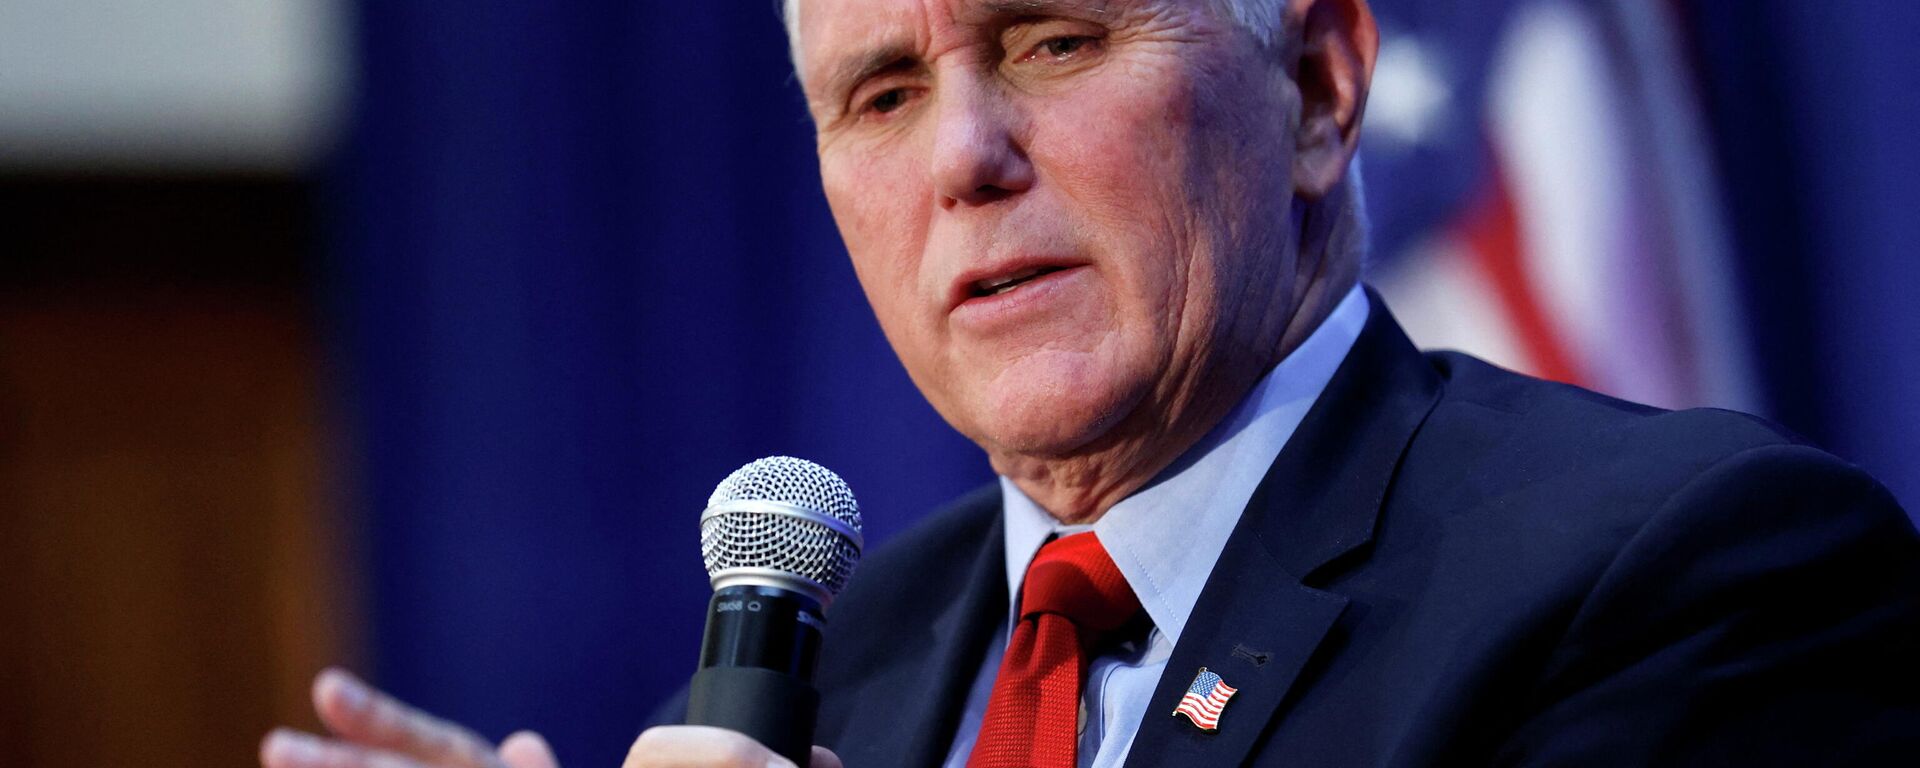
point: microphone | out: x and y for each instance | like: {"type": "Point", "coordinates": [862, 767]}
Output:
{"type": "Point", "coordinates": [780, 537]}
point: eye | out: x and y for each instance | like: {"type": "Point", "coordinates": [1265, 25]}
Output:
{"type": "Point", "coordinates": [1064, 46]}
{"type": "Point", "coordinates": [888, 101]}
{"type": "Point", "coordinates": [1053, 47]}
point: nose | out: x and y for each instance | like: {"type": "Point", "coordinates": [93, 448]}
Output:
{"type": "Point", "coordinates": [977, 156]}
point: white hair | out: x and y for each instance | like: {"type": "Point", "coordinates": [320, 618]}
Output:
{"type": "Point", "coordinates": [1262, 18]}
{"type": "Point", "coordinates": [790, 15]}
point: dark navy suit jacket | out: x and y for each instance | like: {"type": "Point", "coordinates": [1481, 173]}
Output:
{"type": "Point", "coordinates": [1453, 564]}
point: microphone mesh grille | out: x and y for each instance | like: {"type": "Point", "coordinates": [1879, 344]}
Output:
{"type": "Point", "coordinates": [779, 542]}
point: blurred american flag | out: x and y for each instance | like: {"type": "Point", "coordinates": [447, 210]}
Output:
{"type": "Point", "coordinates": [1544, 196]}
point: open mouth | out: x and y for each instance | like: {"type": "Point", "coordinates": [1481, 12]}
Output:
{"type": "Point", "coordinates": [1005, 283]}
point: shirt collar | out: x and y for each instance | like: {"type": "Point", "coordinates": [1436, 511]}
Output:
{"type": "Point", "coordinates": [1166, 536]}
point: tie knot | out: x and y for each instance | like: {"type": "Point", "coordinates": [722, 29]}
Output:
{"type": "Point", "coordinates": [1073, 577]}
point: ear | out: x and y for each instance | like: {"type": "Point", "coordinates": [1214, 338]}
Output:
{"type": "Point", "coordinates": [1334, 52]}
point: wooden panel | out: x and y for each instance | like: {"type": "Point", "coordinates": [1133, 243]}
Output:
{"type": "Point", "coordinates": [172, 571]}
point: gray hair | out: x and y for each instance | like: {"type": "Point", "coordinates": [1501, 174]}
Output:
{"type": "Point", "coordinates": [1262, 18]}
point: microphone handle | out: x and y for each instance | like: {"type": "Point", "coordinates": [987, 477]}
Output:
{"type": "Point", "coordinates": [756, 668]}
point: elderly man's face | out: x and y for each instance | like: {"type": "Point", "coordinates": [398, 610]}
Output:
{"type": "Point", "coordinates": [1062, 211]}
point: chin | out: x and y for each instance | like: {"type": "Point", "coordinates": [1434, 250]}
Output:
{"type": "Point", "coordinates": [1055, 415]}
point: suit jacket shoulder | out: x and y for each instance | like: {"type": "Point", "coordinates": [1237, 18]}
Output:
{"type": "Point", "coordinates": [1561, 577]}
{"type": "Point", "coordinates": [1556, 457]}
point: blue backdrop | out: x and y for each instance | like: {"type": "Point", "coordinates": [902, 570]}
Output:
{"type": "Point", "coordinates": [582, 270]}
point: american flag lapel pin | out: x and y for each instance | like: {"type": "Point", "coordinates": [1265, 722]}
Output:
{"type": "Point", "coordinates": [1205, 698]}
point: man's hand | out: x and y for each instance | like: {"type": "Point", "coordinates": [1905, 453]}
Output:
{"type": "Point", "coordinates": [373, 730]}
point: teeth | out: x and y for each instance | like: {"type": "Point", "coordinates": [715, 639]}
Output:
{"type": "Point", "coordinates": [1002, 282]}
{"type": "Point", "coordinates": [1000, 285]}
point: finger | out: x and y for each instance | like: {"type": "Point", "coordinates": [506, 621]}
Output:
{"type": "Point", "coordinates": [284, 748]}
{"type": "Point", "coordinates": [699, 746]}
{"type": "Point", "coordinates": [527, 750]}
{"type": "Point", "coordinates": [824, 758]}
{"type": "Point", "coordinates": [359, 713]}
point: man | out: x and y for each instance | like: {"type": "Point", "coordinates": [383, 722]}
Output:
{"type": "Point", "coordinates": [1117, 245]}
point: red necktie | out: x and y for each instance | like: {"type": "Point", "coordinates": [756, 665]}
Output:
{"type": "Point", "coordinates": [1073, 594]}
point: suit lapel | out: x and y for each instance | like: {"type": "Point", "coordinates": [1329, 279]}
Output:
{"type": "Point", "coordinates": [1253, 630]}
{"type": "Point", "coordinates": [913, 702]}
{"type": "Point", "coordinates": [1258, 621]}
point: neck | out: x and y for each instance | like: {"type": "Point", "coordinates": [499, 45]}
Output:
{"type": "Point", "coordinates": [1081, 486]}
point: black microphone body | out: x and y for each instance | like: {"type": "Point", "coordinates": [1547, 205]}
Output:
{"type": "Point", "coordinates": [756, 668]}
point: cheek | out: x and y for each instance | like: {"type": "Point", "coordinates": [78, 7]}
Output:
{"type": "Point", "coordinates": [1121, 151]}
{"type": "Point", "coordinates": [1164, 161]}
{"type": "Point", "coordinates": [1126, 171]}
{"type": "Point", "coordinates": [884, 238]}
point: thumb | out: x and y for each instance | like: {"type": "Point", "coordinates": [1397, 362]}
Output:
{"type": "Point", "coordinates": [527, 750]}
{"type": "Point", "coordinates": [822, 758]}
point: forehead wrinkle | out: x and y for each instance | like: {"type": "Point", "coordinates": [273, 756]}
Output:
{"type": "Point", "coordinates": [1043, 7]}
